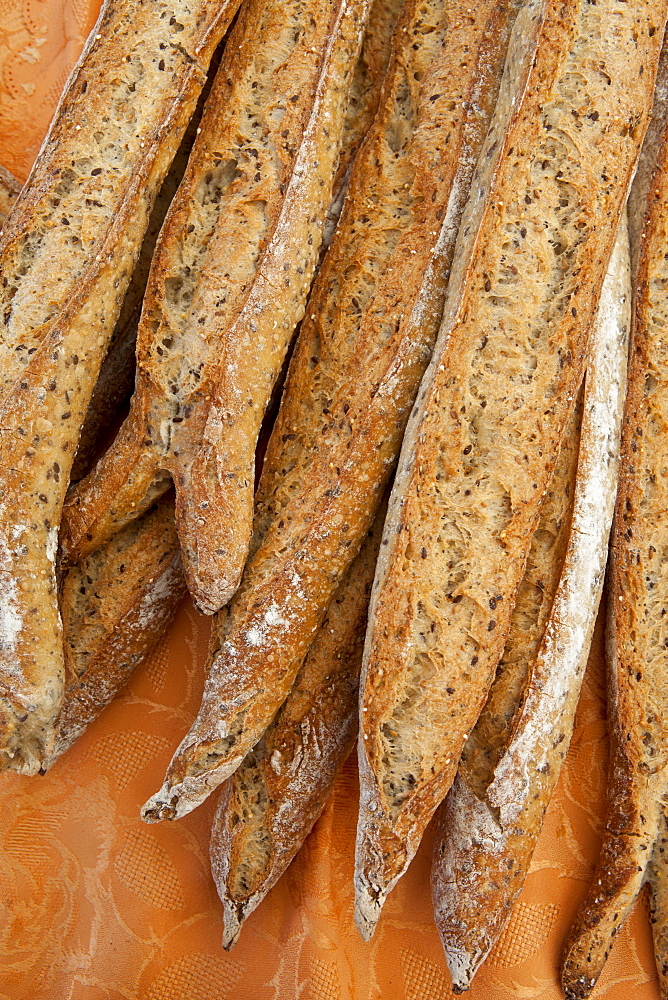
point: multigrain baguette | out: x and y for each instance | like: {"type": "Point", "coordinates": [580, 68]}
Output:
{"type": "Point", "coordinates": [285, 781]}
{"type": "Point", "coordinates": [490, 736]}
{"type": "Point", "coordinates": [362, 103]}
{"type": "Point", "coordinates": [66, 255]}
{"type": "Point", "coordinates": [115, 605]}
{"type": "Point", "coordinates": [364, 344]}
{"type": "Point", "coordinates": [228, 286]}
{"type": "Point", "coordinates": [491, 819]}
{"type": "Point", "coordinates": [272, 800]}
{"type": "Point", "coordinates": [482, 441]}
{"type": "Point", "coordinates": [634, 842]}
{"type": "Point", "coordinates": [115, 381]}
{"type": "Point", "coordinates": [9, 190]}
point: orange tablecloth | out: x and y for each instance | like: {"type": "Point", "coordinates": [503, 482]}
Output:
{"type": "Point", "coordinates": [96, 905]}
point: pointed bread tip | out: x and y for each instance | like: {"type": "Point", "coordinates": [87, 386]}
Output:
{"type": "Point", "coordinates": [576, 987]}
{"type": "Point", "coordinates": [462, 966]}
{"type": "Point", "coordinates": [179, 797]}
{"type": "Point", "coordinates": [157, 807]}
{"type": "Point", "coordinates": [577, 983]}
{"type": "Point", "coordinates": [233, 918]}
{"type": "Point", "coordinates": [368, 906]}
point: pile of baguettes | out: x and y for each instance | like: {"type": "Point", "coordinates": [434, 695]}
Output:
{"type": "Point", "coordinates": [433, 194]}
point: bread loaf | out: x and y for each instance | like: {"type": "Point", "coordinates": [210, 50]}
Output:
{"type": "Point", "coordinates": [66, 255]}
{"type": "Point", "coordinates": [481, 444]}
{"type": "Point", "coordinates": [228, 285]}
{"type": "Point", "coordinates": [119, 600]}
{"type": "Point", "coordinates": [533, 605]}
{"type": "Point", "coordinates": [272, 800]}
{"type": "Point", "coordinates": [115, 605]}
{"type": "Point", "coordinates": [115, 381]}
{"type": "Point", "coordinates": [285, 781]}
{"type": "Point", "coordinates": [9, 190]}
{"type": "Point", "coordinates": [634, 842]}
{"type": "Point", "coordinates": [362, 103]}
{"type": "Point", "coordinates": [364, 343]}
{"type": "Point", "coordinates": [492, 817]}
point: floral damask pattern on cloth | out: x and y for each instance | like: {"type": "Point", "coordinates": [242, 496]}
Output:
{"type": "Point", "coordinates": [39, 42]}
{"type": "Point", "coordinates": [98, 906]}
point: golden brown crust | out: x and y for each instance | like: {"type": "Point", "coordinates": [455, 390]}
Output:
{"type": "Point", "coordinates": [273, 799]}
{"type": "Point", "coordinates": [115, 605]}
{"type": "Point", "coordinates": [481, 445]}
{"type": "Point", "coordinates": [637, 608]}
{"type": "Point", "coordinates": [490, 736]}
{"type": "Point", "coordinates": [493, 814]}
{"type": "Point", "coordinates": [117, 373]}
{"type": "Point", "coordinates": [66, 255]}
{"type": "Point", "coordinates": [362, 103]}
{"type": "Point", "coordinates": [228, 285]}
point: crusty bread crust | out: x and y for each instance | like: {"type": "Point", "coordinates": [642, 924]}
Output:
{"type": "Point", "coordinates": [273, 799]}
{"type": "Point", "coordinates": [228, 285]}
{"type": "Point", "coordinates": [9, 190]}
{"type": "Point", "coordinates": [373, 312]}
{"type": "Point", "coordinates": [533, 604]}
{"type": "Point", "coordinates": [115, 381]}
{"type": "Point", "coordinates": [362, 103]}
{"type": "Point", "coordinates": [66, 255]}
{"type": "Point", "coordinates": [115, 605]}
{"type": "Point", "coordinates": [482, 442]}
{"type": "Point", "coordinates": [636, 652]}
{"type": "Point", "coordinates": [493, 815]}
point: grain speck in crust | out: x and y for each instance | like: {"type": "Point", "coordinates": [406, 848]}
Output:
{"type": "Point", "coordinates": [67, 251]}
{"type": "Point", "coordinates": [482, 441]}
{"type": "Point", "coordinates": [374, 309]}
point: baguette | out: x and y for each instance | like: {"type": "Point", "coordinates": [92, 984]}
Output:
{"type": "Point", "coordinates": [492, 817]}
{"type": "Point", "coordinates": [634, 841]}
{"type": "Point", "coordinates": [117, 373]}
{"type": "Point", "coordinates": [9, 190]}
{"type": "Point", "coordinates": [375, 308]}
{"type": "Point", "coordinates": [362, 104]}
{"type": "Point", "coordinates": [66, 255]}
{"type": "Point", "coordinates": [314, 731]}
{"type": "Point", "coordinates": [272, 800]}
{"type": "Point", "coordinates": [115, 605]}
{"type": "Point", "coordinates": [227, 288]}
{"type": "Point", "coordinates": [482, 442]}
